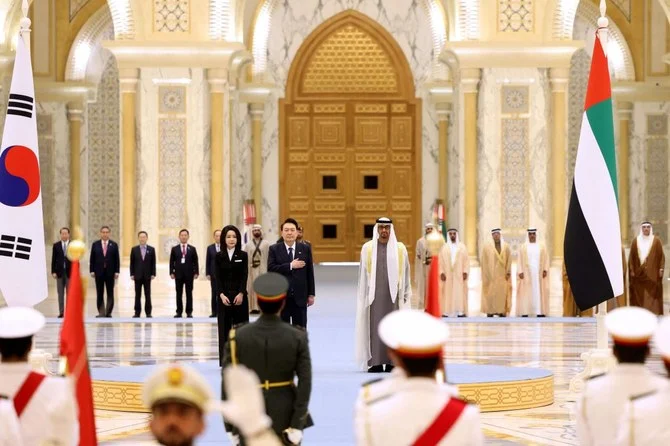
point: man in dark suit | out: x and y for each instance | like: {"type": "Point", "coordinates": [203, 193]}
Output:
{"type": "Point", "coordinates": [142, 272]}
{"type": "Point", "coordinates": [278, 353]}
{"type": "Point", "coordinates": [293, 260]}
{"type": "Point", "coordinates": [209, 269]}
{"type": "Point", "coordinates": [60, 267]}
{"type": "Point", "coordinates": [104, 265]}
{"type": "Point", "coordinates": [184, 269]}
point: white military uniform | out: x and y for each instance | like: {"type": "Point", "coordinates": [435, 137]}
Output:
{"type": "Point", "coordinates": [645, 418]}
{"type": "Point", "coordinates": [10, 431]}
{"type": "Point", "coordinates": [399, 409]}
{"type": "Point", "coordinates": [50, 417]}
{"type": "Point", "coordinates": [605, 396]}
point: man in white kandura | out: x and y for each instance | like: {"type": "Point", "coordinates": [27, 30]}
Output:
{"type": "Point", "coordinates": [605, 396]}
{"type": "Point", "coordinates": [645, 418]}
{"type": "Point", "coordinates": [422, 260]}
{"type": "Point", "coordinates": [419, 410]}
{"type": "Point", "coordinates": [257, 250]}
{"type": "Point", "coordinates": [384, 285]}
{"type": "Point", "coordinates": [532, 296]}
{"type": "Point", "coordinates": [454, 271]}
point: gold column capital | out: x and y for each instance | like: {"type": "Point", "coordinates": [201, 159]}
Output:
{"type": "Point", "coordinates": [256, 110]}
{"type": "Point", "coordinates": [624, 110]}
{"type": "Point", "coordinates": [217, 79]}
{"type": "Point", "coordinates": [558, 77]}
{"type": "Point", "coordinates": [128, 79]}
{"type": "Point", "coordinates": [470, 78]}
{"type": "Point", "coordinates": [75, 111]}
{"type": "Point", "coordinates": [444, 111]}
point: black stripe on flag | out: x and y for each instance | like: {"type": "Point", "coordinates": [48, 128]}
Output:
{"type": "Point", "coordinates": [8, 238]}
{"type": "Point", "coordinates": [19, 255]}
{"type": "Point", "coordinates": [20, 105]}
{"type": "Point", "coordinates": [25, 241]}
{"type": "Point", "coordinates": [20, 97]}
{"type": "Point", "coordinates": [5, 253]}
{"type": "Point", "coordinates": [587, 274]}
{"type": "Point", "coordinates": [6, 245]}
{"type": "Point", "coordinates": [17, 112]}
{"type": "Point", "coordinates": [23, 248]}
{"type": "Point", "coordinates": [17, 247]}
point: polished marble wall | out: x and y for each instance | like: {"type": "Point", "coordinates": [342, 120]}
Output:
{"type": "Point", "coordinates": [292, 22]}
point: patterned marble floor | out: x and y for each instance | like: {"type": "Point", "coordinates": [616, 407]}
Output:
{"type": "Point", "coordinates": [553, 344]}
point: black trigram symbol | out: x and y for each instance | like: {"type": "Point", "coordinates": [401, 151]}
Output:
{"type": "Point", "coordinates": [20, 105]}
{"type": "Point", "coordinates": [12, 246]}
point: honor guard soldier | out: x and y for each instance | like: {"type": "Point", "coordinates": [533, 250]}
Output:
{"type": "Point", "coordinates": [44, 405]}
{"type": "Point", "coordinates": [419, 410]}
{"type": "Point", "coordinates": [605, 396]}
{"type": "Point", "coordinates": [278, 353]}
{"type": "Point", "coordinates": [645, 420]}
{"type": "Point", "coordinates": [179, 397]}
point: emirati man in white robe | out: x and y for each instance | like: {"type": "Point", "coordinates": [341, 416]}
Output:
{"type": "Point", "coordinates": [257, 249]}
{"type": "Point", "coordinates": [384, 285]}
{"type": "Point", "coordinates": [454, 271]}
{"type": "Point", "coordinates": [645, 266]}
{"type": "Point", "coordinates": [421, 265]}
{"type": "Point", "coordinates": [532, 297]}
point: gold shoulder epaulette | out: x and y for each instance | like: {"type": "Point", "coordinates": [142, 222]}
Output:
{"type": "Point", "coordinates": [643, 395]}
{"type": "Point", "coordinates": [372, 381]}
{"type": "Point", "coordinates": [595, 376]}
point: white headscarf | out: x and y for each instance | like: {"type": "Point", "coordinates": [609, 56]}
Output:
{"type": "Point", "coordinates": [644, 242]}
{"type": "Point", "coordinates": [501, 235]}
{"type": "Point", "coordinates": [391, 261]}
{"type": "Point", "coordinates": [453, 246]}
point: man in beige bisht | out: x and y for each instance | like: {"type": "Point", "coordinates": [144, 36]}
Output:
{"type": "Point", "coordinates": [532, 297]}
{"type": "Point", "coordinates": [454, 270]}
{"type": "Point", "coordinates": [257, 249]}
{"type": "Point", "coordinates": [421, 265]}
{"type": "Point", "coordinates": [496, 263]}
{"type": "Point", "coordinates": [645, 266]}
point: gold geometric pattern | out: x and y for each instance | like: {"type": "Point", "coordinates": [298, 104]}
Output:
{"type": "Point", "coordinates": [328, 108]}
{"type": "Point", "coordinates": [171, 16]}
{"type": "Point", "coordinates": [301, 108]}
{"type": "Point", "coordinates": [350, 61]}
{"type": "Point", "coordinates": [399, 108]}
{"type": "Point", "coordinates": [515, 16]}
{"type": "Point", "coordinates": [371, 108]}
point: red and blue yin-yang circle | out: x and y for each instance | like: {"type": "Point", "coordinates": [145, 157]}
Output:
{"type": "Point", "coordinates": [19, 177]}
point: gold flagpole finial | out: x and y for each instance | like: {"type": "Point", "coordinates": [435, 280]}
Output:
{"type": "Point", "coordinates": [434, 240]}
{"type": "Point", "coordinates": [77, 247]}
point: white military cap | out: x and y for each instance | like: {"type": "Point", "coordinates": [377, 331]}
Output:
{"type": "Point", "coordinates": [413, 333]}
{"type": "Point", "coordinates": [20, 322]}
{"type": "Point", "coordinates": [176, 383]}
{"type": "Point", "coordinates": [631, 325]}
{"type": "Point", "coordinates": [662, 338]}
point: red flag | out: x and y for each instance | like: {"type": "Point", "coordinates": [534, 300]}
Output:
{"type": "Point", "coordinates": [433, 289]}
{"type": "Point", "coordinates": [73, 349]}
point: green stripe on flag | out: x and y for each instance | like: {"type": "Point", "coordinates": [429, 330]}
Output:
{"type": "Point", "coordinates": [602, 124]}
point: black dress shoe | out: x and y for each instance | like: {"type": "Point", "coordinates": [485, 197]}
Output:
{"type": "Point", "coordinates": [60, 316]}
{"type": "Point", "coordinates": [501, 315]}
{"type": "Point", "coordinates": [376, 369]}
{"type": "Point", "coordinates": [541, 315]}
{"type": "Point", "coordinates": [190, 316]}
{"type": "Point", "coordinates": [388, 368]}
{"type": "Point", "coordinates": [136, 316]}
{"type": "Point", "coordinates": [108, 315]}
{"type": "Point", "coordinates": [177, 316]}
{"type": "Point", "coordinates": [255, 312]}
{"type": "Point", "coordinates": [149, 316]}
{"type": "Point", "coordinates": [100, 315]}
{"type": "Point", "coordinates": [462, 315]}
{"type": "Point", "coordinates": [524, 315]}
{"type": "Point", "coordinates": [212, 315]}
{"type": "Point", "coordinates": [489, 314]}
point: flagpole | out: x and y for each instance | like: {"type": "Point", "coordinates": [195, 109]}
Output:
{"type": "Point", "coordinates": [600, 359]}
{"type": "Point", "coordinates": [24, 25]}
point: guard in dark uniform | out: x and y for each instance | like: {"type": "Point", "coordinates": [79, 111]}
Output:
{"type": "Point", "coordinates": [278, 353]}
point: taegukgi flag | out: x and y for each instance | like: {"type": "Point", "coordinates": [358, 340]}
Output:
{"type": "Point", "coordinates": [23, 270]}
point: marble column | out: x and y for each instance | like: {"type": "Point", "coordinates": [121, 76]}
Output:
{"type": "Point", "coordinates": [469, 85]}
{"type": "Point", "coordinates": [256, 111]}
{"type": "Point", "coordinates": [443, 113]}
{"type": "Point", "coordinates": [128, 79]}
{"type": "Point", "coordinates": [217, 91]}
{"type": "Point", "coordinates": [559, 83]}
{"type": "Point", "coordinates": [75, 115]}
{"type": "Point", "coordinates": [624, 115]}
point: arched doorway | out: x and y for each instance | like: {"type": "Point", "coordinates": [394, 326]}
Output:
{"type": "Point", "coordinates": [350, 138]}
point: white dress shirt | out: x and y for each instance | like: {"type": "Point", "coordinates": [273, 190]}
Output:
{"type": "Point", "coordinates": [230, 253]}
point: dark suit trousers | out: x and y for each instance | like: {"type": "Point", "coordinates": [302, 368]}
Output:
{"type": "Point", "coordinates": [228, 317]}
{"type": "Point", "coordinates": [293, 314]}
{"type": "Point", "coordinates": [61, 287]}
{"type": "Point", "coordinates": [180, 284]}
{"type": "Point", "coordinates": [102, 282]}
{"type": "Point", "coordinates": [146, 284]}
{"type": "Point", "coordinates": [212, 284]}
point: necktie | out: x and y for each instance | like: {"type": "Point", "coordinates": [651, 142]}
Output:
{"type": "Point", "coordinates": [64, 248]}
{"type": "Point", "coordinates": [144, 251]}
{"type": "Point", "coordinates": [104, 249]}
{"type": "Point", "coordinates": [218, 248]}
{"type": "Point", "coordinates": [183, 250]}
{"type": "Point", "coordinates": [290, 254]}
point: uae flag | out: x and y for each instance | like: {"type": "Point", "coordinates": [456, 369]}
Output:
{"type": "Point", "coordinates": [592, 245]}
{"type": "Point", "coordinates": [23, 270]}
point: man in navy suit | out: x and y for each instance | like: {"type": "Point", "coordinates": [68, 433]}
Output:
{"type": "Point", "coordinates": [210, 267]}
{"type": "Point", "coordinates": [184, 270]}
{"type": "Point", "coordinates": [104, 265]}
{"type": "Point", "coordinates": [293, 260]}
{"type": "Point", "coordinates": [60, 267]}
{"type": "Point", "coordinates": [142, 272]}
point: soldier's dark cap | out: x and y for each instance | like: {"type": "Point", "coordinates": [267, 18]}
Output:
{"type": "Point", "coordinates": [271, 287]}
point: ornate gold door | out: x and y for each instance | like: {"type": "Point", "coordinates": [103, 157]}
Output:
{"type": "Point", "coordinates": [349, 138]}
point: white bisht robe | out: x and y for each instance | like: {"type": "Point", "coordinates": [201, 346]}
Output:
{"type": "Point", "coordinates": [454, 262]}
{"type": "Point", "coordinates": [421, 271]}
{"type": "Point", "coordinates": [400, 287]}
{"type": "Point", "coordinates": [532, 296]}
{"type": "Point", "coordinates": [262, 268]}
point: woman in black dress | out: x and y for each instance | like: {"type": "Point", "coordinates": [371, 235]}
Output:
{"type": "Point", "coordinates": [231, 270]}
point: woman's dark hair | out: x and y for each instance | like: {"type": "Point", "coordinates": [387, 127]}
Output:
{"type": "Point", "coordinates": [233, 228]}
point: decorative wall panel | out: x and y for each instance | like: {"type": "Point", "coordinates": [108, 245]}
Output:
{"type": "Point", "coordinates": [172, 178]}
{"type": "Point", "coordinates": [172, 99]}
{"type": "Point", "coordinates": [103, 155]}
{"type": "Point", "coordinates": [515, 16]}
{"type": "Point", "coordinates": [171, 16]}
{"type": "Point", "coordinates": [45, 142]}
{"type": "Point", "coordinates": [579, 78]}
{"type": "Point", "coordinates": [515, 149]}
{"type": "Point", "coordinates": [657, 185]}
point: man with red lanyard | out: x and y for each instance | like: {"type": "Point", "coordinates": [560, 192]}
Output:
{"type": "Point", "coordinates": [429, 411]}
{"type": "Point", "coordinates": [44, 405]}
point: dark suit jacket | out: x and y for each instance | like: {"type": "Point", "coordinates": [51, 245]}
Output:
{"type": "Point", "coordinates": [142, 269]}
{"type": "Point", "coordinates": [209, 260]}
{"type": "Point", "coordinates": [301, 281]}
{"type": "Point", "coordinates": [98, 261]}
{"type": "Point", "coordinates": [59, 262]}
{"type": "Point", "coordinates": [189, 268]}
{"type": "Point", "coordinates": [231, 276]}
